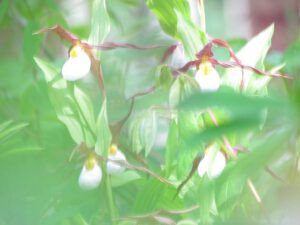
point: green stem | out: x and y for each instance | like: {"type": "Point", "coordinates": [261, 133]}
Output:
{"type": "Point", "coordinates": [112, 209]}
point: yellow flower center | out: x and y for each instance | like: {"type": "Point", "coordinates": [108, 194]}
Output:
{"type": "Point", "coordinates": [206, 68]}
{"type": "Point", "coordinates": [74, 51]}
{"type": "Point", "coordinates": [113, 150]}
{"type": "Point", "coordinates": [90, 162]}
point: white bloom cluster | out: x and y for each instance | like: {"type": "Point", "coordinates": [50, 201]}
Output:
{"type": "Point", "coordinates": [78, 65]}
{"type": "Point", "coordinates": [91, 173]}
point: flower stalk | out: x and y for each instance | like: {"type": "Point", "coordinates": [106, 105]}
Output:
{"type": "Point", "coordinates": [110, 200]}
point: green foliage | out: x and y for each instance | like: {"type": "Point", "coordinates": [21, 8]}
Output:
{"type": "Point", "coordinates": [6, 130]}
{"type": "Point", "coordinates": [103, 132]}
{"type": "Point", "coordinates": [72, 106]}
{"type": "Point", "coordinates": [171, 147]}
{"type": "Point", "coordinates": [143, 132]}
{"type": "Point", "coordinates": [100, 22]}
{"type": "Point", "coordinates": [290, 57]}
{"type": "Point", "coordinates": [165, 77]}
{"type": "Point", "coordinates": [48, 126]}
{"type": "Point", "coordinates": [252, 54]}
{"type": "Point", "coordinates": [174, 17]}
{"type": "Point", "coordinates": [166, 13]}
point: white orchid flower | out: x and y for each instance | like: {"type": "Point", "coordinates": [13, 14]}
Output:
{"type": "Point", "coordinates": [213, 162]}
{"type": "Point", "coordinates": [117, 155]}
{"type": "Point", "coordinates": [91, 174]}
{"type": "Point", "coordinates": [78, 65]}
{"type": "Point", "coordinates": [207, 77]}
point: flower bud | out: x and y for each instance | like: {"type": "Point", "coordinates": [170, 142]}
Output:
{"type": "Point", "coordinates": [78, 65]}
{"type": "Point", "coordinates": [91, 174]}
{"type": "Point", "coordinates": [207, 77]}
{"type": "Point", "coordinates": [213, 162]}
{"type": "Point", "coordinates": [115, 155]}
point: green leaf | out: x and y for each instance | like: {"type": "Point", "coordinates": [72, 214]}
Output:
{"type": "Point", "coordinates": [189, 35]}
{"type": "Point", "coordinates": [100, 24]}
{"type": "Point", "coordinates": [188, 124]}
{"type": "Point", "coordinates": [243, 113]}
{"type": "Point", "coordinates": [134, 131]}
{"type": "Point", "coordinates": [290, 56]}
{"type": "Point", "coordinates": [206, 198]}
{"type": "Point", "coordinates": [181, 88]}
{"type": "Point", "coordinates": [174, 18]}
{"type": "Point", "coordinates": [148, 131]}
{"type": "Point", "coordinates": [149, 196]}
{"type": "Point", "coordinates": [172, 147]}
{"type": "Point", "coordinates": [73, 126]}
{"type": "Point", "coordinates": [7, 131]}
{"type": "Point", "coordinates": [165, 12]}
{"type": "Point", "coordinates": [5, 124]}
{"type": "Point", "coordinates": [174, 94]}
{"type": "Point", "coordinates": [239, 105]}
{"type": "Point", "coordinates": [230, 184]}
{"type": "Point", "coordinates": [104, 136]}
{"type": "Point", "coordinates": [70, 109]}
{"type": "Point", "coordinates": [229, 191]}
{"type": "Point", "coordinates": [31, 43]}
{"type": "Point", "coordinates": [124, 178]}
{"type": "Point", "coordinates": [50, 72]}
{"type": "Point", "coordinates": [21, 150]}
{"type": "Point", "coordinates": [86, 107]}
{"type": "Point", "coordinates": [239, 125]}
{"type": "Point", "coordinates": [252, 54]}
{"type": "Point", "coordinates": [143, 130]}
{"type": "Point", "coordinates": [165, 77]}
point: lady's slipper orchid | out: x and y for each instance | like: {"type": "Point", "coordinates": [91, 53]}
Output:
{"type": "Point", "coordinates": [91, 174]}
{"type": "Point", "coordinates": [78, 65]}
{"type": "Point", "coordinates": [213, 163]}
{"type": "Point", "coordinates": [207, 77]}
{"type": "Point", "coordinates": [115, 155]}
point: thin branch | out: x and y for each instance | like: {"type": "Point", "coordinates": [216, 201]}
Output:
{"type": "Point", "coordinates": [274, 175]}
{"type": "Point", "coordinates": [148, 171]}
{"type": "Point", "coordinates": [98, 71]}
{"type": "Point", "coordinates": [116, 127]}
{"type": "Point", "coordinates": [170, 50]}
{"type": "Point", "coordinates": [113, 45]}
{"type": "Point", "coordinates": [145, 92]}
{"type": "Point", "coordinates": [138, 168]}
{"type": "Point", "coordinates": [163, 211]}
{"type": "Point", "coordinates": [231, 64]}
{"type": "Point", "coordinates": [73, 39]}
{"type": "Point", "coordinates": [196, 162]}
{"type": "Point", "coordinates": [61, 32]}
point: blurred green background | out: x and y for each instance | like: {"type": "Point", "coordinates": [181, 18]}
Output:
{"type": "Point", "coordinates": [38, 182]}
